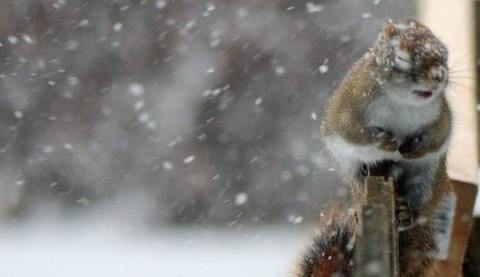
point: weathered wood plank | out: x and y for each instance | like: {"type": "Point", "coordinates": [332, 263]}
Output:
{"type": "Point", "coordinates": [377, 250]}
{"type": "Point", "coordinates": [461, 229]}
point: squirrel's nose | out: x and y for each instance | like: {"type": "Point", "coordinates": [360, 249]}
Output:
{"type": "Point", "coordinates": [438, 74]}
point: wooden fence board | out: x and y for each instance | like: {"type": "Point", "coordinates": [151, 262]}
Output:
{"type": "Point", "coordinates": [377, 250]}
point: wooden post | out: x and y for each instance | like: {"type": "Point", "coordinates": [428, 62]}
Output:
{"type": "Point", "coordinates": [377, 250]}
{"type": "Point", "coordinates": [454, 22]}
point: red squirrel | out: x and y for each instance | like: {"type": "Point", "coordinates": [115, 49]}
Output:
{"type": "Point", "coordinates": [391, 106]}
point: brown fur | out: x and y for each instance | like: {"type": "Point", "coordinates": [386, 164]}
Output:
{"type": "Point", "coordinates": [331, 253]}
{"type": "Point", "coordinates": [417, 244]}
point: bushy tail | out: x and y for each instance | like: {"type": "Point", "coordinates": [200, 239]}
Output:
{"type": "Point", "coordinates": [333, 246]}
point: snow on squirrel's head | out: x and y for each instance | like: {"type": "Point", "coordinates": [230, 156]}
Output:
{"type": "Point", "coordinates": [411, 61]}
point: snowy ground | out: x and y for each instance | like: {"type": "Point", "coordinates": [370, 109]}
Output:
{"type": "Point", "coordinates": [78, 251]}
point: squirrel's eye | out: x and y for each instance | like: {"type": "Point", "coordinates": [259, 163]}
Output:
{"type": "Point", "coordinates": [402, 63]}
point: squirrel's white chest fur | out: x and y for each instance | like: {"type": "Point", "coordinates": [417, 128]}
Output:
{"type": "Point", "coordinates": [350, 156]}
{"type": "Point", "coordinates": [401, 120]}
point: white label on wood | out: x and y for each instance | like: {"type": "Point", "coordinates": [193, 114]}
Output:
{"type": "Point", "coordinates": [445, 218]}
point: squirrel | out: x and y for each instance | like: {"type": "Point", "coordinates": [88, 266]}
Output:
{"type": "Point", "coordinates": [391, 106]}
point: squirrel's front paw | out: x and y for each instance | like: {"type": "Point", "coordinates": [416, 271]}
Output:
{"type": "Point", "coordinates": [411, 149]}
{"type": "Point", "coordinates": [385, 138]}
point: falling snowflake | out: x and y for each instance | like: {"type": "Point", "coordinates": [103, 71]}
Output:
{"type": "Point", "coordinates": [242, 13]}
{"type": "Point", "coordinates": [72, 81]}
{"type": "Point", "coordinates": [215, 42]}
{"type": "Point", "coordinates": [144, 117]}
{"type": "Point", "coordinates": [313, 8]}
{"type": "Point", "coordinates": [47, 149]}
{"type": "Point", "coordinates": [28, 39]}
{"type": "Point", "coordinates": [18, 114]}
{"type": "Point", "coordinates": [366, 15]}
{"type": "Point", "coordinates": [167, 165]}
{"type": "Point", "coordinates": [295, 219]}
{"type": "Point", "coordinates": [58, 4]}
{"type": "Point", "coordinates": [152, 125]}
{"type": "Point", "coordinates": [241, 198]}
{"type": "Point", "coordinates": [139, 105]}
{"type": "Point", "coordinates": [160, 4]}
{"type": "Point", "coordinates": [83, 23]}
{"type": "Point", "coordinates": [280, 70]}
{"type": "Point", "coordinates": [72, 45]}
{"type": "Point", "coordinates": [136, 89]}
{"type": "Point", "coordinates": [12, 39]}
{"type": "Point", "coordinates": [190, 24]}
{"type": "Point", "coordinates": [83, 201]}
{"type": "Point", "coordinates": [210, 7]}
{"type": "Point", "coordinates": [323, 68]}
{"type": "Point", "coordinates": [258, 101]}
{"type": "Point", "coordinates": [117, 27]}
{"type": "Point", "coordinates": [214, 92]}
{"type": "Point", "coordinates": [189, 159]}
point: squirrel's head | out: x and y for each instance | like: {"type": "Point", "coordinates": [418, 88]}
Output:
{"type": "Point", "coordinates": [411, 61]}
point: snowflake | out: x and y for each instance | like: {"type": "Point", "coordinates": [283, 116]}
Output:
{"type": "Point", "coordinates": [136, 89]}
{"type": "Point", "coordinates": [12, 39]}
{"type": "Point", "coordinates": [167, 165]}
{"type": "Point", "coordinates": [313, 8]}
{"type": "Point", "coordinates": [280, 70]}
{"type": "Point", "coordinates": [18, 114]}
{"type": "Point", "coordinates": [241, 198]}
{"type": "Point", "coordinates": [189, 159]}
{"type": "Point", "coordinates": [323, 68]}
{"type": "Point", "coordinates": [28, 39]}
{"type": "Point", "coordinates": [117, 27]}
{"type": "Point", "coordinates": [160, 4]}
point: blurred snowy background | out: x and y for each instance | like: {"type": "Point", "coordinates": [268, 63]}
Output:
{"type": "Point", "coordinates": [168, 137]}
